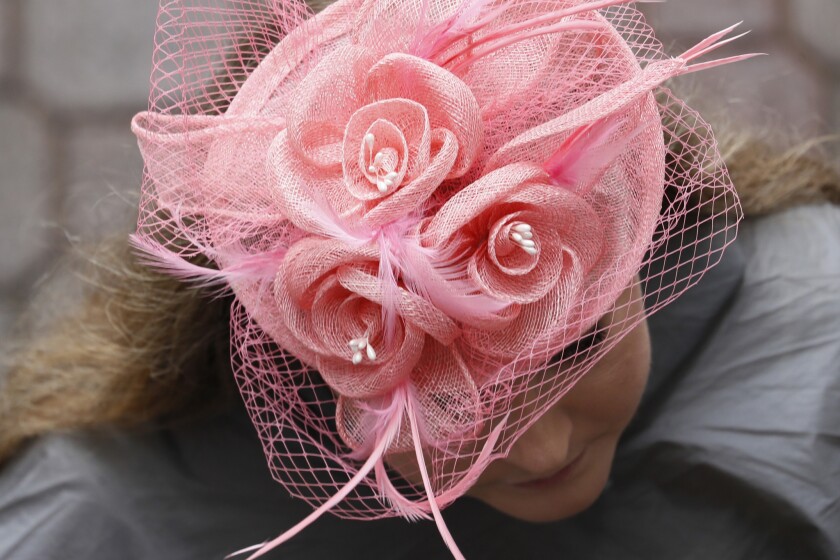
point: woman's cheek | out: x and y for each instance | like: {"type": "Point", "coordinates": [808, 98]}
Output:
{"type": "Point", "coordinates": [606, 398]}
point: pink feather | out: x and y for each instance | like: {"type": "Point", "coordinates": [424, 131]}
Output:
{"type": "Point", "coordinates": [262, 266]}
{"type": "Point", "coordinates": [411, 407]}
{"type": "Point", "coordinates": [474, 15]}
{"type": "Point", "coordinates": [587, 153]}
{"type": "Point", "coordinates": [377, 412]}
{"type": "Point", "coordinates": [389, 242]}
{"type": "Point", "coordinates": [438, 276]}
{"type": "Point", "coordinates": [331, 225]}
{"type": "Point", "coordinates": [412, 511]}
{"type": "Point", "coordinates": [712, 43]}
{"type": "Point", "coordinates": [376, 422]}
{"type": "Point", "coordinates": [441, 278]}
{"type": "Point", "coordinates": [431, 42]}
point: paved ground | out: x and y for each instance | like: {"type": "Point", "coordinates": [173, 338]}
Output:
{"type": "Point", "coordinates": [72, 72]}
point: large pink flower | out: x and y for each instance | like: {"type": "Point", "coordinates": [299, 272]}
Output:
{"type": "Point", "coordinates": [330, 300]}
{"type": "Point", "coordinates": [373, 138]}
{"type": "Point", "coordinates": [330, 296]}
{"type": "Point", "coordinates": [531, 242]}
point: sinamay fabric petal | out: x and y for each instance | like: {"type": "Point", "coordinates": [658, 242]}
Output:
{"type": "Point", "coordinates": [417, 204]}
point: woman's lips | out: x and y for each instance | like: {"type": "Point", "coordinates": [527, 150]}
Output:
{"type": "Point", "coordinates": [552, 479]}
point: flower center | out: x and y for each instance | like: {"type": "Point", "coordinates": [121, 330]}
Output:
{"type": "Point", "coordinates": [359, 344]}
{"type": "Point", "coordinates": [382, 165]}
{"type": "Point", "coordinates": [522, 234]}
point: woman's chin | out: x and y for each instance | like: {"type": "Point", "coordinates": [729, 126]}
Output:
{"type": "Point", "coordinates": [541, 509]}
{"type": "Point", "coordinates": [548, 500]}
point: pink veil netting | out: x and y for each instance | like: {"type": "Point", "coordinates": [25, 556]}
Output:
{"type": "Point", "coordinates": [418, 206]}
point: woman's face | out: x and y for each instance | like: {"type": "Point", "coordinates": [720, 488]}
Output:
{"type": "Point", "coordinates": [560, 465]}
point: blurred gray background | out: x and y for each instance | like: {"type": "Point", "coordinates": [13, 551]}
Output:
{"type": "Point", "coordinates": [73, 72]}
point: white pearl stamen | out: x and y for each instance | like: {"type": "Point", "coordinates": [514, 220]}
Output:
{"type": "Point", "coordinates": [522, 235]}
{"type": "Point", "coordinates": [383, 178]}
{"type": "Point", "coordinates": [369, 139]}
{"type": "Point", "coordinates": [359, 344]}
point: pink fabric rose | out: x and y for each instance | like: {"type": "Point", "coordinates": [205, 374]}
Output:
{"type": "Point", "coordinates": [379, 149]}
{"type": "Point", "coordinates": [532, 243]}
{"type": "Point", "coordinates": [330, 296]}
{"type": "Point", "coordinates": [330, 299]}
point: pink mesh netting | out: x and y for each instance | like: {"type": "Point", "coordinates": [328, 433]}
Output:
{"type": "Point", "coordinates": [420, 207]}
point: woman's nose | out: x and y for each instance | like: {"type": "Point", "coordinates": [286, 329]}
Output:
{"type": "Point", "coordinates": [544, 447]}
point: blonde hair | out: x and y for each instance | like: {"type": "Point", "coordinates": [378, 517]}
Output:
{"type": "Point", "coordinates": [112, 342]}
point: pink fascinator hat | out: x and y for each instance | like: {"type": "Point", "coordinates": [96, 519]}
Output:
{"type": "Point", "coordinates": [420, 206]}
